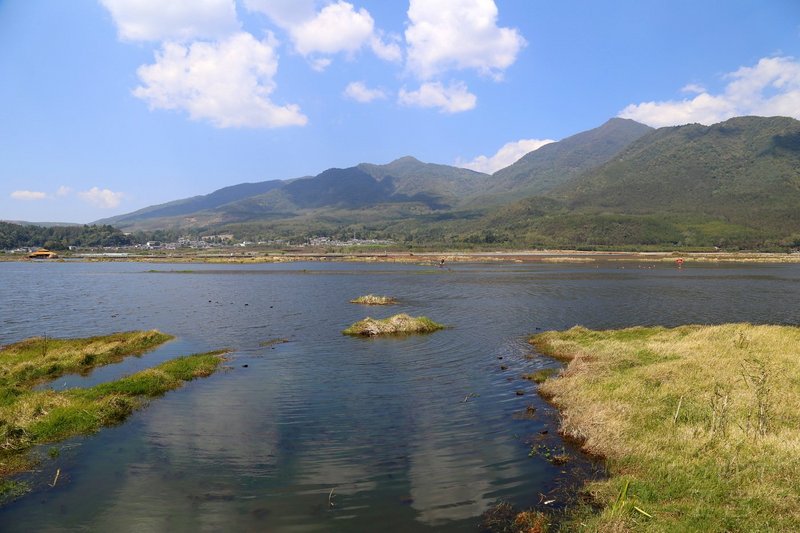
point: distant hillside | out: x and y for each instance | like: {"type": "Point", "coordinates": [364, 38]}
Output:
{"type": "Point", "coordinates": [553, 164]}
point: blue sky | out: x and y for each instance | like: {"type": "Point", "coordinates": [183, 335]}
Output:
{"type": "Point", "coordinates": [107, 106]}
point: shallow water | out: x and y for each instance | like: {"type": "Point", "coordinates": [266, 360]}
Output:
{"type": "Point", "coordinates": [382, 422]}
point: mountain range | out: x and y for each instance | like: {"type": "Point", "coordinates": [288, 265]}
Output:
{"type": "Point", "coordinates": [732, 184]}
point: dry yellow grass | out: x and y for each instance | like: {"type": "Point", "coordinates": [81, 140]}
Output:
{"type": "Point", "coordinates": [400, 323]}
{"type": "Point", "coordinates": [701, 422]}
{"type": "Point", "coordinates": [372, 299]}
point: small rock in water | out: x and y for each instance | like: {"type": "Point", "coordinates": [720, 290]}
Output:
{"type": "Point", "coordinates": [503, 367]}
{"type": "Point", "coordinates": [244, 366]}
{"type": "Point", "coordinates": [520, 393]}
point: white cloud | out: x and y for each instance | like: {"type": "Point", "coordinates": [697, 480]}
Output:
{"type": "Point", "coordinates": [452, 99]}
{"type": "Point", "coordinates": [693, 88]}
{"type": "Point", "coordinates": [157, 20]}
{"type": "Point", "coordinates": [63, 191]}
{"type": "Point", "coordinates": [388, 51]}
{"type": "Point", "coordinates": [104, 198]}
{"type": "Point", "coordinates": [505, 156]}
{"type": "Point", "coordinates": [361, 93]}
{"type": "Point", "coordinates": [771, 87]}
{"type": "Point", "coordinates": [227, 82]}
{"type": "Point", "coordinates": [28, 195]}
{"type": "Point", "coordinates": [337, 28]}
{"type": "Point", "coordinates": [458, 34]}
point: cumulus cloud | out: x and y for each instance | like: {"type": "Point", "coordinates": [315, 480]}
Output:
{"type": "Point", "coordinates": [227, 82]}
{"type": "Point", "coordinates": [458, 34]}
{"type": "Point", "coordinates": [28, 195]}
{"type": "Point", "coordinates": [104, 198]}
{"type": "Point", "coordinates": [693, 88]}
{"type": "Point", "coordinates": [505, 156]}
{"type": "Point", "coordinates": [63, 191]}
{"type": "Point", "coordinates": [337, 28]}
{"type": "Point", "coordinates": [156, 20]}
{"type": "Point", "coordinates": [771, 87]}
{"type": "Point", "coordinates": [454, 98]}
{"type": "Point", "coordinates": [361, 93]}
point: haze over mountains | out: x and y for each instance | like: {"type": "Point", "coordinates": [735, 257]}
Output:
{"type": "Point", "coordinates": [736, 183]}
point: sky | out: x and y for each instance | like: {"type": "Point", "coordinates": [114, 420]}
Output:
{"type": "Point", "coordinates": [108, 106]}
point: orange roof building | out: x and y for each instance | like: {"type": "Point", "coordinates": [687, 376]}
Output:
{"type": "Point", "coordinates": [43, 253]}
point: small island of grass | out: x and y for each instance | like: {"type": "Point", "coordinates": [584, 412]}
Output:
{"type": "Point", "coordinates": [372, 299]}
{"type": "Point", "coordinates": [31, 417]}
{"type": "Point", "coordinates": [397, 324]}
{"type": "Point", "coordinates": [699, 425]}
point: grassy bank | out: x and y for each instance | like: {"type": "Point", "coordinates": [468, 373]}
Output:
{"type": "Point", "coordinates": [397, 324]}
{"type": "Point", "coordinates": [32, 417]}
{"type": "Point", "coordinates": [699, 425]}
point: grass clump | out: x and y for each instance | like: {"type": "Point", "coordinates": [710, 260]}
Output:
{"type": "Point", "coordinates": [699, 425]}
{"type": "Point", "coordinates": [372, 299]}
{"type": "Point", "coordinates": [31, 417]}
{"type": "Point", "coordinates": [401, 323]}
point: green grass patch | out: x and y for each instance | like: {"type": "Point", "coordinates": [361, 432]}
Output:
{"type": "Point", "coordinates": [699, 425]}
{"type": "Point", "coordinates": [39, 359]}
{"type": "Point", "coordinates": [397, 324]}
{"type": "Point", "coordinates": [29, 417]}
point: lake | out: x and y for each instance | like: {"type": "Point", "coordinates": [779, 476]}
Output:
{"type": "Point", "coordinates": [331, 432]}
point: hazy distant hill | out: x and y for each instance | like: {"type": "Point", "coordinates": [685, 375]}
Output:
{"type": "Point", "coordinates": [194, 204]}
{"type": "Point", "coordinates": [404, 181]}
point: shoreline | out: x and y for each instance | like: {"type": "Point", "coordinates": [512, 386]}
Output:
{"type": "Point", "coordinates": [432, 258]}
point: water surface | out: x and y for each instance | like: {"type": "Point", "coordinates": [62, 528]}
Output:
{"type": "Point", "coordinates": [381, 422]}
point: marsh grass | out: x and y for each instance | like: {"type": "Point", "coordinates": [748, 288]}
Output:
{"type": "Point", "coordinates": [397, 324]}
{"type": "Point", "coordinates": [699, 425]}
{"type": "Point", "coordinates": [372, 299]}
{"type": "Point", "coordinates": [32, 417]}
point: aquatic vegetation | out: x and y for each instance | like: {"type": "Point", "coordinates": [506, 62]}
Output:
{"type": "Point", "coordinates": [31, 417]}
{"type": "Point", "coordinates": [503, 518]}
{"type": "Point", "coordinates": [699, 425]}
{"type": "Point", "coordinates": [372, 299]}
{"type": "Point", "coordinates": [11, 490]}
{"type": "Point", "coordinates": [401, 323]}
{"type": "Point", "coordinates": [272, 342]}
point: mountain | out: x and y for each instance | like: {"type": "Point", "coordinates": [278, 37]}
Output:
{"type": "Point", "coordinates": [406, 181]}
{"type": "Point", "coordinates": [733, 184]}
{"type": "Point", "coordinates": [736, 183]}
{"type": "Point", "coordinates": [553, 164]}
